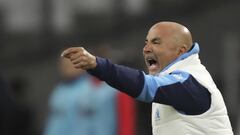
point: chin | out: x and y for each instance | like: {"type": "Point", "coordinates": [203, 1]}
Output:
{"type": "Point", "coordinates": [152, 73]}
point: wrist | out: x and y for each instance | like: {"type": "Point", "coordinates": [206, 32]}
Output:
{"type": "Point", "coordinates": [94, 62]}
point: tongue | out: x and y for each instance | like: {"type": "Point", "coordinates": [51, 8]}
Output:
{"type": "Point", "coordinates": [153, 66]}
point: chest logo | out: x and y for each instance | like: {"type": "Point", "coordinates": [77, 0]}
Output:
{"type": "Point", "coordinates": [178, 77]}
{"type": "Point", "coordinates": [157, 115]}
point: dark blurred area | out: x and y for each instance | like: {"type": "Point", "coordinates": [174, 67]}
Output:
{"type": "Point", "coordinates": [34, 32]}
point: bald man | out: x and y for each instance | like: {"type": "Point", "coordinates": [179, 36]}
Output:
{"type": "Point", "coordinates": [185, 100]}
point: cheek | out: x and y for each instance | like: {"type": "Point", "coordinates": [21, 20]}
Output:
{"type": "Point", "coordinates": [162, 51]}
{"type": "Point", "coordinates": [162, 55]}
{"type": "Point", "coordinates": [166, 54]}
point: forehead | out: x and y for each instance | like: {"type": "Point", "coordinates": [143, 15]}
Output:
{"type": "Point", "coordinates": [158, 32]}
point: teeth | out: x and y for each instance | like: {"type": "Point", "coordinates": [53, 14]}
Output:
{"type": "Point", "coordinates": [151, 62]}
{"type": "Point", "coordinates": [148, 64]}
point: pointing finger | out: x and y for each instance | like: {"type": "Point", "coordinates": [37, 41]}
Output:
{"type": "Point", "coordinates": [70, 51]}
{"type": "Point", "coordinates": [75, 56]}
{"type": "Point", "coordinates": [78, 60]}
{"type": "Point", "coordinates": [80, 64]}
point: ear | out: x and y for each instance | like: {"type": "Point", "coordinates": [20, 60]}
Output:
{"type": "Point", "coordinates": [182, 50]}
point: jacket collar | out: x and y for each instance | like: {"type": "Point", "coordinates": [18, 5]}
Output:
{"type": "Point", "coordinates": [195, 50]}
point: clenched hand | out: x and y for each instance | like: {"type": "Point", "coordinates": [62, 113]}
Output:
{"type": "Point", "coordinates": [80, 58]}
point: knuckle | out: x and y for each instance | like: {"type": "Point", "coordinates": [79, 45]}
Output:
{"type": "Point", "coordinates": [84, 58]}
{"type": "Point", "coordinates": [81, 48]}
{"type": "Point", "coordinates": [77, 65]}
{"type": "Point", "coordinates": [82, 63]}
{"type": "Point", "coordinates": [75, 62]}
{"type": "Point", "coordinates": [71, 57]}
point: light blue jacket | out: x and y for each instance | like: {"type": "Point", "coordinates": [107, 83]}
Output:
{"type": "Point", "coordinates": [82, 108]}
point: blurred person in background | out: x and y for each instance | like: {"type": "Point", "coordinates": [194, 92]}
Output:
{"type": "Point", "coordinates": [23, 114]}
{"type": "Point", "coordinates": [15, 116]}
{"type": "Point", "coordinates": [184, 96]}
{"type": "Point", "coordinates": [6, 108]}
{"type": "Point", "coordinates": [83, 105]}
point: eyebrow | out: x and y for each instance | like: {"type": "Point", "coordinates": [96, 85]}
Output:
{"type": "Point", "coordinates": [154, 39]}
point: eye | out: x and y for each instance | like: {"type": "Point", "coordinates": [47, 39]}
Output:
{"type": "Point", "coordinates": [146, 41]}
{"type": "Point", "coordinates": [156, 42]}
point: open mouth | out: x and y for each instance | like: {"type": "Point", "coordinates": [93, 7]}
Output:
{"type": "Point", "coordinates": [151, 62]}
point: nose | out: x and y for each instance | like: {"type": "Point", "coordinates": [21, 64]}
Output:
{"type": "Point", "coordinates": [147, 48]}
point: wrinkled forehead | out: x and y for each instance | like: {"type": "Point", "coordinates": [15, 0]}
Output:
{"type": "Point", "coordinates": [159, 32]}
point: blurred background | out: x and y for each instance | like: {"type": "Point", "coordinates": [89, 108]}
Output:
{"type": "Point", "coordinates": [34, 32]}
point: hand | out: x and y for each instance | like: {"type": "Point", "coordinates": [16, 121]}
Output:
{"type": "Point", "coordinates": [80, 58]}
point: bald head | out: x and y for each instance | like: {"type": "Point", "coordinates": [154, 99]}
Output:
{"type": "Point", "coordinates": [178, 33]}
{"type": "Point", "coordinates": [165, 42]}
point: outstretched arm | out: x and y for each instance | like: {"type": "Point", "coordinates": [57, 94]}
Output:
{"type": "Point", "coordinates": [126, 79]}
{"type": "Point", "coordinates": [178, 89]}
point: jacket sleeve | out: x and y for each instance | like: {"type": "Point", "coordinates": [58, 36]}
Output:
{"type": "Point", "coordinates": [127, 80]}
{"type": "Point", "coordinates": [178, 89]}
